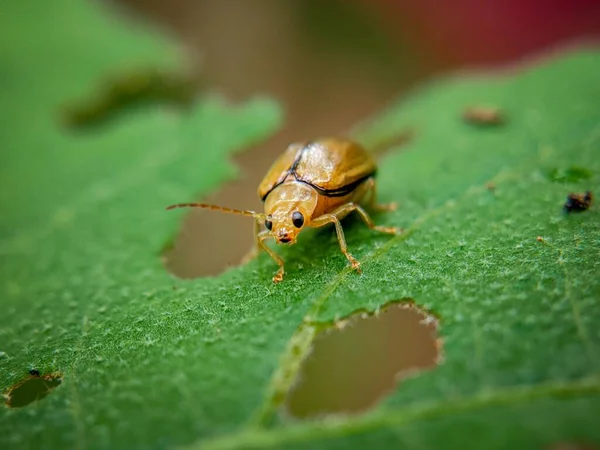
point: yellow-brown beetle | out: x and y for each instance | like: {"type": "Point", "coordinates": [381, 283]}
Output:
{"type": "Point", "coordinates": [311, 185]}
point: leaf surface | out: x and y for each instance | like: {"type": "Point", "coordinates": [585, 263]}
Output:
{"type": "Point", "coordinates": [149, 361]}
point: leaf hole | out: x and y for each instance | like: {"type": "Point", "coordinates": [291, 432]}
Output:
{"type": "Point", "coordinates": [567, 445]}
{"type": "Point", "coordinates": [128, 91]}
{"type": "Point", "coordinates": [209, 242]}
{"type": "Point", "coordinates": [32, 389]}
{"type": "Point", "coordinates": [355, 362]}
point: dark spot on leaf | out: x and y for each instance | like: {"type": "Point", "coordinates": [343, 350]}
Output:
{"type": "Point", "coordinates": [34, 373]}
{"type": "Point", "coordinates": [356, 361]}
{"type": "Point", "coordinates": [142, 88]}
{"type": "Point", "coordinates": [32, 389]}
{"type": "Point", "coordinates": [577, 202]}
{"type": "Point", "coordinates": [483, 116]}
{"type": "Point", "coordinates": [571, 174]}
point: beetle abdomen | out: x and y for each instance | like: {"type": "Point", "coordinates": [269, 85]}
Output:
{"type": "Point", "coordinates": [334, 167]}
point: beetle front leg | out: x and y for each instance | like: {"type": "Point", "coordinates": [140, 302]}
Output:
{"type": "Point", "coordinates": [331, 218]}
{"type": "Point", "coordinates": [261, 237]}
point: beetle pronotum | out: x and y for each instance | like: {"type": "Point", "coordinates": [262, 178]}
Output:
{"type": "Point", "coordinates": [311, 185]}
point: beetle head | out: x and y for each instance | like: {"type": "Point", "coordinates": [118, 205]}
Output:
{"type": "Point", "coordinates": [288, 209]}
{"type": "Point", "coordinates": [285, 225]}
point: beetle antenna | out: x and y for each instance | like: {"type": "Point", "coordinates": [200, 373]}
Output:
{"type": "Point", "coordinates": [217, 208]}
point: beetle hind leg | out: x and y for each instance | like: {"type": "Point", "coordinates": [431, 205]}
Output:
{"type": "Point", "coordinates": [372, 203]}
{"type": "Point", "coordinates": [367, 219]}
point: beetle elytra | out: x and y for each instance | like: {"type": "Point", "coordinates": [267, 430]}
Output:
{"type": "Point", "coordinates": [312, 185]}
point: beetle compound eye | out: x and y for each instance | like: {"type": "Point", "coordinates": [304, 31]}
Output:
{"type": "Point", "coordinates": [298, 219]}
{"type": "Point", "coordinates": [269, 224]}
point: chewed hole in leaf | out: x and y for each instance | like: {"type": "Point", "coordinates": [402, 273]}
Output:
{"type": "Point", "coordinates": [572, 446]}
{"type": "Point", "coordinates": [357, 361]}
{"type": "Point", "coordinates": [126, 91]}
{"type": "Point", "coordinates": [208, 244]}
{"type": "Point", "coordinates": [32, 389]}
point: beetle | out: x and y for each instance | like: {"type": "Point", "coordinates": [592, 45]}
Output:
{"type": "Point", "coordinates": [313, 184]}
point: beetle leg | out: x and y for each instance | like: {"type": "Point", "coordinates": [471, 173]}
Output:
{"type": "Point", "coordinates": [372, 187]}
{"type": "Point", "coordinates": [349, 207]}
{"type": "Point", "coordinates": [331, 218]}
{"type": "Point", "coordinates": [260, 239]}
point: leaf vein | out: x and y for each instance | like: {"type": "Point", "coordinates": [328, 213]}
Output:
{"type": "Point", "coordinates": [383, 418]}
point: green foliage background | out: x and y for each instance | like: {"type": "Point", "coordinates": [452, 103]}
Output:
{"type": "Point", "coordinates": [154, 362]}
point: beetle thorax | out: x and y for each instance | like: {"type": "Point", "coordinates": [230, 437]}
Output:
{"type": "Point", "coordinates": [288, 205]}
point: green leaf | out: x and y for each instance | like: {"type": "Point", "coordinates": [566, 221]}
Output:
{"type": "Point", "coordinates": [83, 290]}
{"type": "Point", "coordinates": [149, 361]}
{"type": "Point", "coordinates": [518, 314]}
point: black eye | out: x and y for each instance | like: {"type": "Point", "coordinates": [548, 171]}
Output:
{"type": "Point", "coordinates": [268, 224]}
{"type": "Point", "coordinates": [298, 219]}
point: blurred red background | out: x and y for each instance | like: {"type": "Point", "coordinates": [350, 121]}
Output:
{"type": "Point", "coordinates": [481, 32]}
